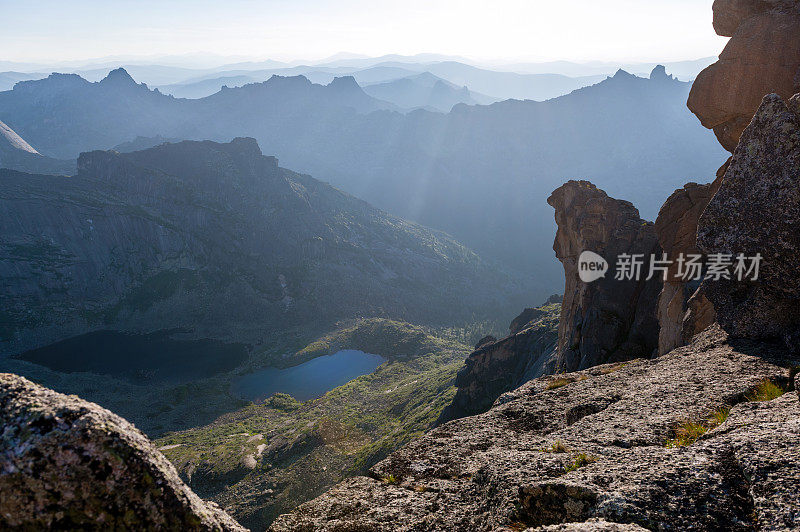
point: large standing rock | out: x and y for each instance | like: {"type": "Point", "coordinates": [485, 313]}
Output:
{"type": "Point", "coordinates": [763, 56]}
{"type": "Point", "coordinates": [757, 211]}
{"type": "Point", "coordinates": [66, 463]}
{"type": "Point", "coordinates": [499, 366]}
{"type": "Point", "coordinates": [676, 227]}
{"type": "Point", "coordinates": [606, 320]}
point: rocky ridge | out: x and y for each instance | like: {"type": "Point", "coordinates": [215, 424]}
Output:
{"type": "Point", "coordinates": [66, 463]}
{"type": "Point", "coordinates": [498, 366]}
{"type": "Point", "coordinates": [16, 153]}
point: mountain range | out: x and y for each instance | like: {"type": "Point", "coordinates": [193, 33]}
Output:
{"type": "Point", "coordinates": [216, 241]}
{"type": "Point", "coordinates": [476, 172]}
{"type": "Point", "coordinates": [188, 77]}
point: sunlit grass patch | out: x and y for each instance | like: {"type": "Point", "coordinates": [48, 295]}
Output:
{"type": "Point", "coordinates": [558, 382]}
{"type": "Point", "coordinates": [391, 480]}
{"type": "Point", "coordinates": [720, 416]}
{"type": "Point", "coordinates": [689, 432]}
{"type": "Point", "coordinates": [766, 391]}
{"type": "Point", "coordinates": [557, 447]}
{"type": "Point", "coordinates": [612, 369]}
{"type": "Point", "coordinates": [580, 460]}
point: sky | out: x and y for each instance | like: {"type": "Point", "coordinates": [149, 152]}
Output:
{"type": "Point", "coordinates": [498, 30]}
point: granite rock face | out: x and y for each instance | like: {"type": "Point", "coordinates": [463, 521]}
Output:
{"type": "Point", "coordinates": [606, 320]}
{"type": "Point", "coordinates": [499, 366]}
{"type": "Point", "coordinates": [762, 57]}
{"type": "Point", "coordinates": [676, 227]}
{"type": "Point", "coordinates": [66, 463]}
{"type": "Point", "coordinates": [592, 445]}
{"type": "Point", "coordinates": [757, 211]}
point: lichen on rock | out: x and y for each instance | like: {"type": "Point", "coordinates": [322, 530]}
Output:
{"type": "Point", "coordinates": [756, 211]}
{"type": "Point", "coordinates": [66, 463]}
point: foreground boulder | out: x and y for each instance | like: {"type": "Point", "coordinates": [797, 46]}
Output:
{"type": "Point", "coordinates": [499, 366]}
{"type": "Point", "coordinates": [757, 211]}
{"type": "Point", "coordinates": [601, 444]}
{"type": "Point", "coordinates": [762, 57]}
{"type": "Point", "coordinates": [606, 320]}
{"type": "Point", "coordinates": [66, 463]}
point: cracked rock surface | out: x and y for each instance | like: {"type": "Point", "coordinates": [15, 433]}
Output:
{"type": "Point", "coordinates": [587, 451]}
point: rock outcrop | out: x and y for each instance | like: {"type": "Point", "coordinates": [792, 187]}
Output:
{"type": "Point", "coordinates": [762, 57]}
{"type": "Point", "coordinates": [69, 464]}
{"type": "Point", "coordinates": [598, 444]}
{"type": "Point", "coordinates": [676, 227]}
{"type": "Point", "coordinates": [499, 366]}
{"type": "Point", "coordinates": [757, 211]}
{"type": "Point", "coordinates": [606, 320]}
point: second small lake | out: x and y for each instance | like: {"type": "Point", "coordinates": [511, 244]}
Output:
{"type": "Point", "coordinates": [310, 379]}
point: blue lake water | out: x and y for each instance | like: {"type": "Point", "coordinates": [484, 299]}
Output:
{"type": "Point", "coordinates": [310, 379]}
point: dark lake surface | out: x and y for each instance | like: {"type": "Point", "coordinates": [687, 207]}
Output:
{"type": "Point", "coordinates": [310, 379]}
{"type": "Point", "coordinates": [154, 357]}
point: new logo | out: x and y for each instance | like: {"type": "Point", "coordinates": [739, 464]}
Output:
{"type": "Point", "coordinates": [591, 266]}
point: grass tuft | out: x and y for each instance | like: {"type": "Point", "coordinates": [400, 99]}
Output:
{"type": "Point", "coordinates": [720, 416]}
{"type": "Point", "coordinates": [557, 383]}
{"type": "Point", "coordinates": [391, 480]}
{"type": "Point", "coordinates": [558, 447]}
{"type": "Point", "coordinates": [580, 460]}
{"type": "Point", "coordinates": [766, 391]}
{"type": "Point", "coordinates": [689, 432]}
{"type": "Point", "coordinates": [612, 369]}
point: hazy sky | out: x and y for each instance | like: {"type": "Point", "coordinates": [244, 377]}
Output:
{"type": "Point", "coordinates": [648, 30]}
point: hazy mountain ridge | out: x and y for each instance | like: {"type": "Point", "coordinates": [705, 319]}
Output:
{"type": "Point", "coordinates": [632, 136]}
{"type": "Point", "coordinates": [425, 91]}
{"type": "Point", "coordinates": [217, 240]}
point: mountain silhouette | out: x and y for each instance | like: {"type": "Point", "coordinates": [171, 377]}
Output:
{"type": "Point", "coordinates": [481, 173]}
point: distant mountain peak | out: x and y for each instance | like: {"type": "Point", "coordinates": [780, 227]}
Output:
{"type": "Point", "coordinates": [344, 81]}
{"type": "Point", "coordinates": [659, 73]}
{"type": "Point", "coordinates": [246, 146]}
{"type": "Point", "coordinates": [622, 74]}
{"type": "Point", "coordinates": [298, 80]}
{"type": "Point", "coordinates": [118, 76]}
{"type": "Point", "coordinates": [345, 85]}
